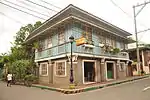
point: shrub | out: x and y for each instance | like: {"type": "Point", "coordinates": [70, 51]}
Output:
{"type": "Point", "coordinates": [29, 79]}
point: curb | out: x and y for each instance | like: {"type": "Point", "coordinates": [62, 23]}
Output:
{"type": "Point", "coordinates": [48, 88]}
{"type": "Point", "coordinates": [73, 91]}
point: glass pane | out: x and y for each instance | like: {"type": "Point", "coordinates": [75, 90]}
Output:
{"type": "Point", "coordinates": [60, 68]}
{"type": "Point", "coordinates": [44, 69]}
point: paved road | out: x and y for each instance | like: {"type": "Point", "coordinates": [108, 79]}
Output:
{"type": "Point", "coordinates": [129, 91]}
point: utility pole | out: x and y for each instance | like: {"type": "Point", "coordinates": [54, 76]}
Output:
{"type": "Point", "coordinates": [135, 26]}
{"type": "Point", "coordinates": [137, 47]}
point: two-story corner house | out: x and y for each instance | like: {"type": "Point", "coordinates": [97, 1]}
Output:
{"type": "Point", "coordinates": [144, 53]}
{"type": "Point", "coordinates": [96, 50]}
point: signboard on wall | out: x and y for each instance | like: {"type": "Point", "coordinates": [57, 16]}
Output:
{"type": "Point", "coordinates": [80, 41]}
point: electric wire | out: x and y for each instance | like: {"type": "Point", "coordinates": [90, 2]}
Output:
{"type": "Point", "coordinates": [131, 18]}
{"type": "Point", "coordinates": [22, 11]}
{"type": "Point", "coordinates": [26, 8]}
{"type": "Point", "coordinates": [11, 18]}
{"type": "Point", "coordinates": [41, 5]}
{"type": "Point", "coordinates": [126, 12]}
{"type": "Point", "coordinates": [50, 4]}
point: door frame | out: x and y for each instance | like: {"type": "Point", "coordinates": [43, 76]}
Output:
{"type": "Point", "coordinates": [113, 70]}
{"type": "Point", "coordinates": [95, 79]}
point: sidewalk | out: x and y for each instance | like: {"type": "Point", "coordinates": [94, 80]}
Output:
{"type": "Point", "coordinates": [89, 87]}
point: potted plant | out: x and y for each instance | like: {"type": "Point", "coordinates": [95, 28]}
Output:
{"type": "Point", "coordinates": [107, 48]}
{"type": "Point", "coordinates": [83, 34]}
{"type": "Point", "coordinates": [116, 50]}
{"type": "Point", "coordinates": [90, 42]}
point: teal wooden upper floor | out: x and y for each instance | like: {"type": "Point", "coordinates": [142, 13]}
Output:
{"type": "Point", "coordinates": [57, 41]}
{"type": "Point", "coordinates": [100, 37]}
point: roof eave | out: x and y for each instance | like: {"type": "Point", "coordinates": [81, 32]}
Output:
{"type": "Point", "coordinates": [69, 6]}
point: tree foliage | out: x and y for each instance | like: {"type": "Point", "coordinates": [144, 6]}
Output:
{"type": "Point", "coordinates": [20, 61]}
{"type": "Point", "coordinates": [22, 34]}
{"type": "Point", "coordinates": [19, 69]}
{"type": "Point", "coordinates": [4, 58]}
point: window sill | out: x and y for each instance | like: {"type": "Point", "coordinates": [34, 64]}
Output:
{"type": "Point", "coordinates": [61, 76]}
{"type": "Point", "coordinates": [110, 79]}
{"type": "Point", "coordinates": [43, 75]}
{"type": "Point", "coordinates": [88, 83]}
{"type": "Point", "coordinates": [73, 62]}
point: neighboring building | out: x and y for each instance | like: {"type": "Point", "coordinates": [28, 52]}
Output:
{"type": "Point", "coordinates": [95, 59]}
{"type": "Point", "coordinates": [144, 53]}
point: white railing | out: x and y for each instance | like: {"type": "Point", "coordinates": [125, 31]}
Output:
{"type": "Point", "coordinates": [124, 54]}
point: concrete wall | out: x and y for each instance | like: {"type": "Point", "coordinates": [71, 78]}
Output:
{"type": "Point", "coordinates": [146, 58]}
{"type": "Point", "coordinates": [61, 80]}
{"type": "Point", "coordinates": [122, 74]}
{"type": "Point", "coordinates": [47, 79]}
{"type": "Point", "coordinates": [50, 73]}
{"type": "Point", "coordinates": [100, 72]}
{"type": "Point", "coordinates": [146, 69]}
{"type": "Point", "coordinates": [44, 79]}
{"type": "Point", "coordinates": [78, 73]}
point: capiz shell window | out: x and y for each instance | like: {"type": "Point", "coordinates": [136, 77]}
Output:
{"type": "Point", "coordinates": [44, 69]}
{"type": "Point", "coordinates": [61, 35]}
{"type": "Point", "coordinates": [61, 68]}
{"type": "Point", "coordinates": [87, 32]}
{"type": "Point", "coordinates": [42, 44]}
{"type": "Point", "coordinates": [49, 42]}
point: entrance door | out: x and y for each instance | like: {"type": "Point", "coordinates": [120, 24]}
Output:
{"type": "Point", "coordinates": [110, 70]}
{"type": "Point", "coordinates": [89, 72]}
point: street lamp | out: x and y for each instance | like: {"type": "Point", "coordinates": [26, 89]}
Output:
{"type": "Point", "coordinates": [71, 38]}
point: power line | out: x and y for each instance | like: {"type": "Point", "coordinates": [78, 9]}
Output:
{"type": "Point", "coordinates": [144, 30]}
{"type": "Point", "coordinates": [50, 4]}
{"type": "Point", "coordinates": [22, 11]}
{"type": "Point", "coordinates": [143, 33]}
{"type": "Point", "coordinates": [27, 8]}
{"type": "Point", "coordinates": [131, 18]}
{"type": "Point", "coordinates": [125, 12]}
{"type": "Point", "coordinates": [28, 4]}
{"type": "Point", "coordinates": [120, 8]}
{"type": "Point", "coordinates": [41, 5]}
{"type": "Point", "coordinates": [11, 18]}
{"type": "Point", "coordinates": [143, 5]}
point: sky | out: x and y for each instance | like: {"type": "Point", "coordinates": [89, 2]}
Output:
{"type": "Point", "coordinates": [11, 20]}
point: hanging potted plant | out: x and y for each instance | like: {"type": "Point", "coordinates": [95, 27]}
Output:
{"type": "Point", "coordinates": [89, 44]}
{"type": "Point", "coordinates": [107, 48]}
